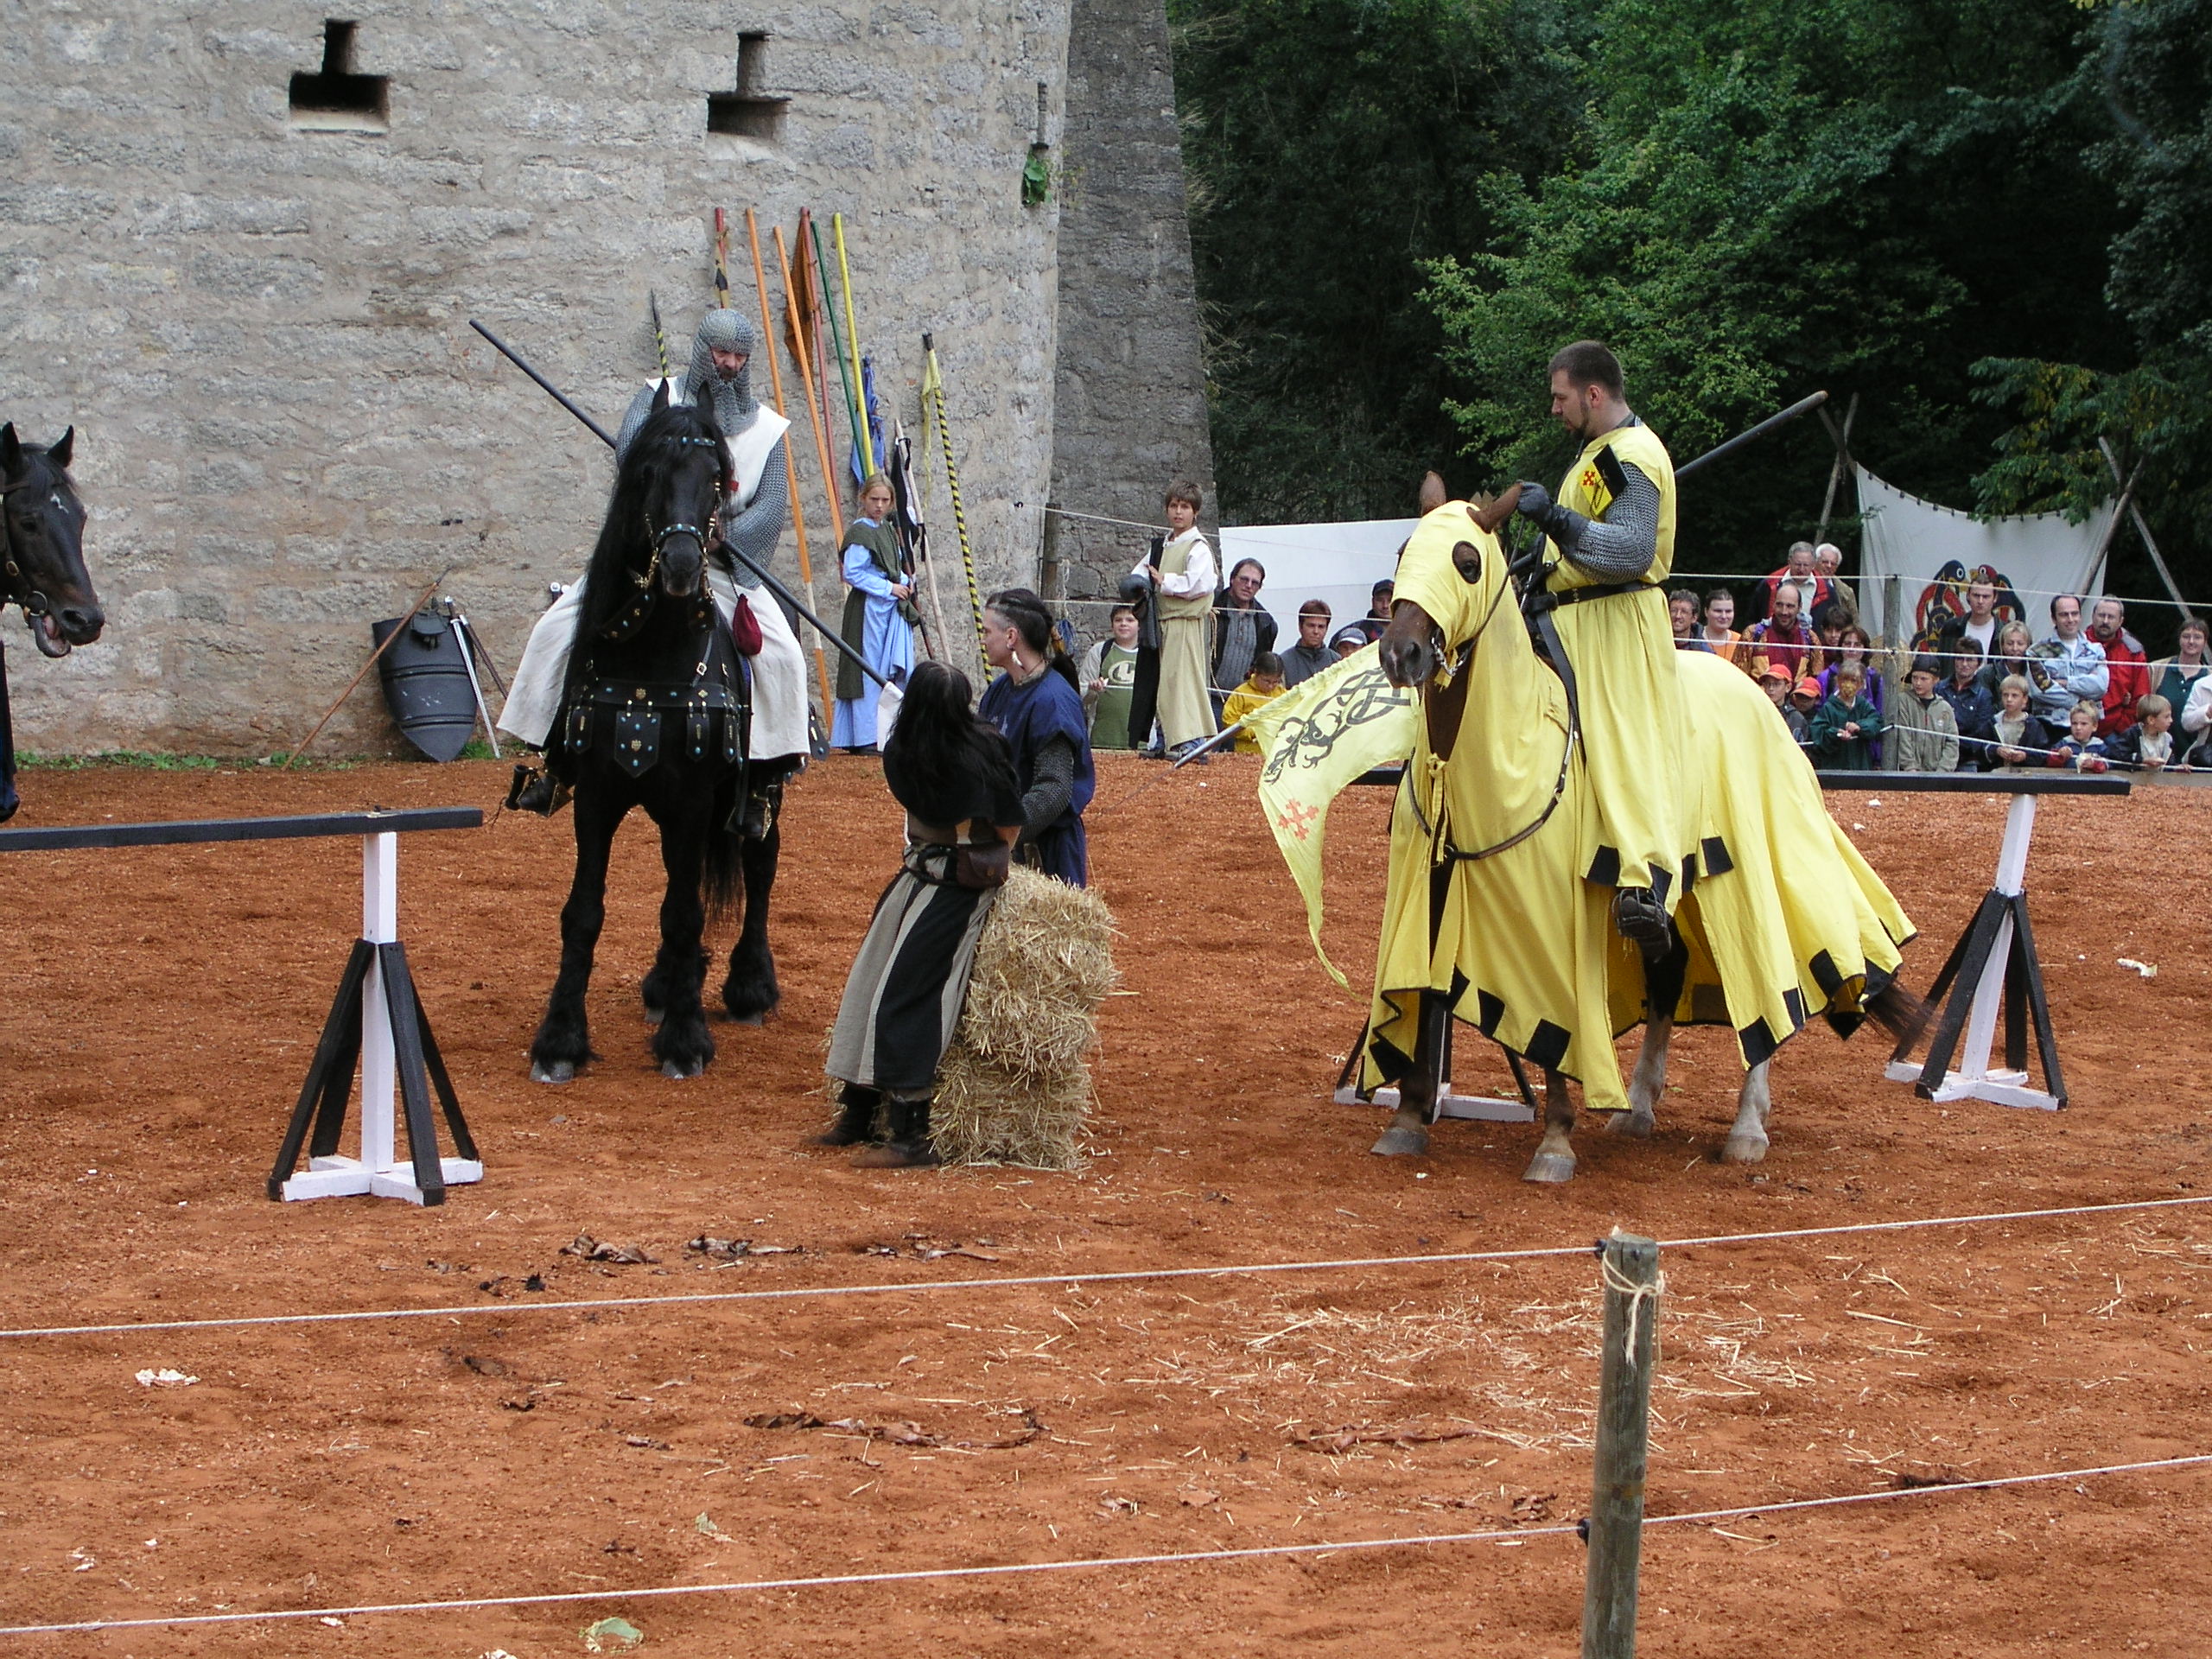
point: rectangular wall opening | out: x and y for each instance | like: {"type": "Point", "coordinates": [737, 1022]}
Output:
{"type": "Point", "coordinates": [335, 100]}
{"type": "Point", "coordinates": [748, 113]}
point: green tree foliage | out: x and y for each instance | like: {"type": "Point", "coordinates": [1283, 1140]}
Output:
{"type": "Point", "coordinates": [1852, 196]}
{"type": "Point", "coordinates": [1332, 147]}
{"type": "Point", "coordinates": [2151, 73]}
{"type": "Point", "coordinates": [1991, 220]}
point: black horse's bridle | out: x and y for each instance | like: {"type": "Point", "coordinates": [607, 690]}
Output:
{"type": "Point", "coordinates": [18, 590]}
{"type": "Point", "coordinates": [632, 617]}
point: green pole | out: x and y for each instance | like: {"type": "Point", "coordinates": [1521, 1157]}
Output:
{"type": "Point", "coordinates": [844, 373]}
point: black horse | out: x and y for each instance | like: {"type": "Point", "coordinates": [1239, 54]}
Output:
{"type": "Point", "coordinates": [653, 715]}
{"type": "Point", "coordinates": [42, 555]}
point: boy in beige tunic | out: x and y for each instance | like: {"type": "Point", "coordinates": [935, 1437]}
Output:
{"type": "Point", "coordinates": [1183, 580]}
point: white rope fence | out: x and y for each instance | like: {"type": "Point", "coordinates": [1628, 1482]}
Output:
{"type": "Point", "coordinates": [1010, 1569]}
{"type": "Point", "coordinates": [1039, 1280]}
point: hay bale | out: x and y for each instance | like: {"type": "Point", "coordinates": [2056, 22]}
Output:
{"type": "Point", "coordinates": [1015, 1085]}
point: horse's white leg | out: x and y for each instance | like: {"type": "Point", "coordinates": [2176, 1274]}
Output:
{"type": "Point", "coordinates": [1746, 1142]}
{"type": "Point", "coordinates": [1554, 1158]}
{"type": "Point", "coordinates": [1648, 1082]}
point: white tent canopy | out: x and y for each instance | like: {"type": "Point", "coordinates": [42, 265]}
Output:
{"type": "Point", "coordinates": [1935, 549]}
{"type": "Point", "coordinates": [1337, 563]}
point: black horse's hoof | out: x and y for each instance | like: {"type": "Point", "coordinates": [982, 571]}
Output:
{"type": "Point", "coordinates": [682, 1071]}
{"type": "Point", "coordinates": [552, 1071]}
{"type": "Point", "coordinates": [760, 1019]}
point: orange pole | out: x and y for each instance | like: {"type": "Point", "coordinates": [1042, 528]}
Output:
{"type": "Point", "coordinates": [791, 466]}
{"type": "Point", "coordinates": [813, 409]}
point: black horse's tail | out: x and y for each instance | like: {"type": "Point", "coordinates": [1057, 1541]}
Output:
{"type": "Point", "coordinates": [724, 881]}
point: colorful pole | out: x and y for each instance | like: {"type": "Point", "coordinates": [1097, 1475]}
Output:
{"type": "Point", "coordinates": [810, 276]}
{"type": "Point", "coordinates": [722, 260]}
{"type": "Point", "coordinates": [852, 341]}
{"type": "Point", "coordinates": [837, 345]}
{"type": "Point", "coordinates": [933, 381]}
{"type": "Point", "coordinates": [660, 339]}
{"type": "Point", "coordinates": [806, 380]}
{"type": "Point", "coordinates": [790, 465]}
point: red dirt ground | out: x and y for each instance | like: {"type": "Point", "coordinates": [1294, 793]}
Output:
{"type": "Point", "coordinates": [161, 1005]}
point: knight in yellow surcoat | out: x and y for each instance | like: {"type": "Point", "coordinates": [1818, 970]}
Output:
{"type": "Point", "coordinates": [1611, 534]}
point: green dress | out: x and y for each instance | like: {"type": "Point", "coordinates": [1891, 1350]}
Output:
{"type": "Point", "coordinates": [1109, 716]}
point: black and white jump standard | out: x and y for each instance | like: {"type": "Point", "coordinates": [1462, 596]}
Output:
{"type": "Point", "coordinates": [377, 1021]}
{"type": "Point", "coordinates": [1993, 965]}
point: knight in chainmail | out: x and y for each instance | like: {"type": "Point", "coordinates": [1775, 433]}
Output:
{"type": "Point", "coordinates": [720, 375]}
{"type": "Point", "coordinates": [1603, 600]}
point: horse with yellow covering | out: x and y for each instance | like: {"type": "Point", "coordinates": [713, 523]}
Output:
{"type": "Point", "coordinates": [1490, 917]}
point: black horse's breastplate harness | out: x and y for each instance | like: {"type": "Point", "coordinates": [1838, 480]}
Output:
{"type": "Point", "coordinates": [629, 721]}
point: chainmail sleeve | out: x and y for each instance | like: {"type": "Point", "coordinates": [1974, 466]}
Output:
{"type": "Point", "coordinates": [758, 524]}
{"type": "Point", "coordinates": [1625, 543]}
{"type": "Point", "coordinates": [1051, 788]}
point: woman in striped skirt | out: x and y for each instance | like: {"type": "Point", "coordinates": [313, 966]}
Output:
{"type": "Point", "coordinates": [954, 774]}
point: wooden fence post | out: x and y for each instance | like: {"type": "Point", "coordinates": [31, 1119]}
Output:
{"type": "Point", "coordinates": [1628, 1267]}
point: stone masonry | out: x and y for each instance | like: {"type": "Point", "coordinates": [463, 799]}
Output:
{"type": "Point", "coordinates": [1130, 410]}
{"type": "Point", "coordinates": [257, 317]}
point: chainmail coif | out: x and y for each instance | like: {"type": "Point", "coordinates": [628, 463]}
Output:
{"type": "Point", "coordinates": [727, 331]}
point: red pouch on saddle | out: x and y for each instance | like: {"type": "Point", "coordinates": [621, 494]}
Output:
{"type": "Point", "coordinates": [745, 629]}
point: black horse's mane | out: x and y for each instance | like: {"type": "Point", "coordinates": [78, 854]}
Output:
{"type": "Point", "coordinates": [624, 541]}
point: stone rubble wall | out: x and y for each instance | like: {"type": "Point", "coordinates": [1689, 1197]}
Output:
{"type": "Point", "coordinates": [1130, 405]}
{"type": "Point", "coordinates": [285, 427]}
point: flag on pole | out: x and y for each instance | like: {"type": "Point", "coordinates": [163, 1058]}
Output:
{"type": "Point", "coordinates": [1316, 739]}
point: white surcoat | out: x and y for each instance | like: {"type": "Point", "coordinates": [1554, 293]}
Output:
{"type": "Point", "coordinates": [779, 698]}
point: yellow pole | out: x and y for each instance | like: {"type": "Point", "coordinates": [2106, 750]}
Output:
{"type": "Point", "coordinates": [853, 346]}
{"type": "Point", "coordinates": [791, 466]}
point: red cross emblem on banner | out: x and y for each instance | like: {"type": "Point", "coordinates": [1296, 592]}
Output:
{"type": "Point", "coordinates": [1298, 818]}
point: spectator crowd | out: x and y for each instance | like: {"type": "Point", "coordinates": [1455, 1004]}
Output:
{"type": "Point", "coordinates": [1982, 694]}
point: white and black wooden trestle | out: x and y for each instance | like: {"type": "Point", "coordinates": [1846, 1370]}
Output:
{"type": "Point", "coordinates": [1993, 968]}
{"type": "Point", "coordinates": [376, 1023]}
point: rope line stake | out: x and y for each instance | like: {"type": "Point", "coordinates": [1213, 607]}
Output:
{"type": "Point", "coordinates": [1643, 1306]}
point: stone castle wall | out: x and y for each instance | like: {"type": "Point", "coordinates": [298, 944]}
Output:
{"type": "Point", "coordinates": [1130, 405]}
{"type": "Point", "coordinates": [286, 427]}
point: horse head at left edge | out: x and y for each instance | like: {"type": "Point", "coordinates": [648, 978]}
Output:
{"type": "Point", "coordinates": [42, 545]}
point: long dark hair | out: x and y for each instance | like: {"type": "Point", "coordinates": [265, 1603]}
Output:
{"type": "Point", "coordinates": [943, 762]}
{"type": "Point", "coordinates": [1022, 607]}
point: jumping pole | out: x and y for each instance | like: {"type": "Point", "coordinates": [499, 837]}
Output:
{"type": "Point", "coordinates": [1629, 1268]}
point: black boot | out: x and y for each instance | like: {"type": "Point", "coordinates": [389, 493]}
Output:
{"type": "Point", "coordinates": [1640, 915]}
{"type": "Point", "coordinates": [543, 788]}
{"type": "Point", "coordinates": [909, 1147]}
{"type": "Point", "coordinates": [761, 806]}
{"type": "Point", "coordinates": [855, 1120]}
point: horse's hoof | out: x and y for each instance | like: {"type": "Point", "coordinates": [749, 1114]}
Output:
{"type": "Point", "coordinates": [1549, 1167]}
{"type": "Point", "coordinates": [1401, 1143]}
{"type": "Point", "coordinates": [552, 1071]}
{"type": "Point", "coordinates": [682, 1072]}
{"type": "Point", "coordinates": [1744, 1149]}
{"type": "Point", "coordinates": [1636, 1124]}
{"type": "Point", "coordinates": [748, 1019]}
